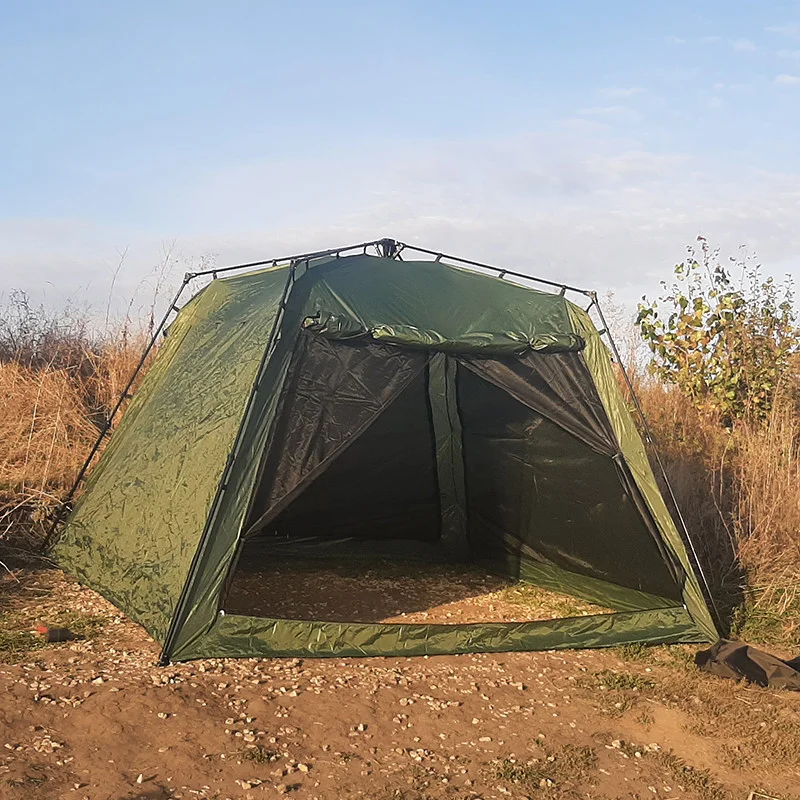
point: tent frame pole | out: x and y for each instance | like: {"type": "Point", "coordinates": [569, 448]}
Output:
{"type": "Point", "coordinates": [295, 259]}
{"type": "Point", "coordinates": [650, 440]}
{"type": "Point", "coordinates": [65, 506]}
{"type": "Point", "coordinates": [272, 341]}
{"type": "Point", "coordinates": [501, 271]}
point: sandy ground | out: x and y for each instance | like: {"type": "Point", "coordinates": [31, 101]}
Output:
{"type": "Point", "coordinates": [97, 718]}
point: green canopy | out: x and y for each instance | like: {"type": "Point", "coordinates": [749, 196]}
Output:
{"type": "Point", "coordinates": [391, 404]}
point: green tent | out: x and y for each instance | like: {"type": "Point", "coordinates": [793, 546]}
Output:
{"type": "Point", "coordinates": [388, 405]}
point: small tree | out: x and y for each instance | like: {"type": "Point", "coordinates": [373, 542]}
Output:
{"type": "Point", "coordinates": [726, 342]}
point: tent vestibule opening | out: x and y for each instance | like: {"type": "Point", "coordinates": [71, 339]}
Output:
{"type": "Point", "coordinates": [406, 485]}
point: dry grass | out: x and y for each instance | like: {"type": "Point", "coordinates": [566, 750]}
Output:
{"type": "Point", "coordinates": [555, 771]}
{"type": "Point", "coordinates": [755, 727]}
{"type": "Point", "coordinates": [58, 384]}
{"type": "Point", "coordinates": [739, 492]}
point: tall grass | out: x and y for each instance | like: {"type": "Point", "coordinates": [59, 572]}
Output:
{"type": "Point", "coordinates": [738, 490]}
{"type": "Point", "coordinates": [59, 380]}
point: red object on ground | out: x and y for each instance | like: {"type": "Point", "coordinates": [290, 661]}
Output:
{"type": "Point", "coordinates": [56, 634]}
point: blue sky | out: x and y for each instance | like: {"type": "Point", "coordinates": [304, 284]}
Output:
{"type": "Point", "coordinates": [582, 141]}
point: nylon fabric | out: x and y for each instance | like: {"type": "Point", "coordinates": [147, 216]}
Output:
{"type": "Point", "coordinates": [484, 343]}
{"type": "Point", "coordinates": [333, 393]}
{"type": "Point", "coordinates": [449, 456]}
{"type": "Point", "coordinates": [598, 359]}
{"type": "Point", "coordinates": [135, 529]}
{"type": "Point", "coordinates": [206, 586]}
{"type": "Point", "coordinates": [420, 298]}
{"type": "Point", "coordinates": [259, 637]}
{"type": "Point", "coordinates": [592, 590]}
{"type": "Point", "coordinates": [739, 661]}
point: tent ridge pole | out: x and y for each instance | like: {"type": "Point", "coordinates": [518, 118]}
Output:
{"type": "Point", "coordinates": [648, 434]}
{"type": "Point", "coordinates": [391, 248]}
{"type": "Point", "coordinates": [544, 281]}
{"type": "Point", "coordinates": [64, 506]}
{"type": "Point", "coordinates": [205, 536]}
{"type": "Point", "coordinates": [290, 259]}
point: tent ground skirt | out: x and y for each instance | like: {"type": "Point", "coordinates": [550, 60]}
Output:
{"type": "Point", "coordinates": [243, 636]}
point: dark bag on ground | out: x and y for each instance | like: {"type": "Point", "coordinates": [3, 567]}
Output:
{"type": "Point", "coordinates": [729, 659]}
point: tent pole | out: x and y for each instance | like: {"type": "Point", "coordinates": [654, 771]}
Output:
{"type": "Point", "coordinates": [502, 272]}
{"type": "Point", "coordinates": [291, 259]}
{"type": "Point", "coordinates": [272, 340]}
{"type": "Point", "coordinates": [65, 505]}
{"type": "Point", "coordinates": [651, 441]}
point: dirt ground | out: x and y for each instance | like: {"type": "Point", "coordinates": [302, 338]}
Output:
{"type": "Point", "coordinates": [382, 591]}
{"type": "Point", "coordinates": [97, 719]}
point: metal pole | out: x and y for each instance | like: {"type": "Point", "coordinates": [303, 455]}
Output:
{"type": "Point", "coordinates": [495, 269]}
{"type": "Point", "coordinates": [65, 505]}
{"type": "Point", "coordinates": [290, 259]}
{"type": "Point", "coordinates": [651, 441]}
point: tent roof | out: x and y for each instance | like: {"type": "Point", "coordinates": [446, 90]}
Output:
{"type": "Point", "coordinates": [428, 304]}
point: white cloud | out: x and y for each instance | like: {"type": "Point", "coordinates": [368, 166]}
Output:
{"type": "Point", "coordinates": [744, 46]}
{"type": "Point", "coordinates": [621, 92]}
{"type": "Point", "coordinates": [616, 112]}
{"type": "Point", "coordinates": [787, 80]}
{"type": "Point", "coordinates": [716, 102]}
{"type": "Point", "coordinates": [792, 30]}
{"type": "Point", "coordinates": [789, 53]}
{"type": "Point", "coordinates": [574, 204]}
{"type": "Point", "coordinates": [731, 87]}
{"type": "Point", "coordinates": [711, 39]}
{"type": "Point", "coordinates": [674, 40]}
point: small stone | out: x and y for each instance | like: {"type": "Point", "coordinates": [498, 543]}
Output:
{"type": "Point", "coordinates": [281, 788]}
{"type": "Point", "coordinates": [140, 778]}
